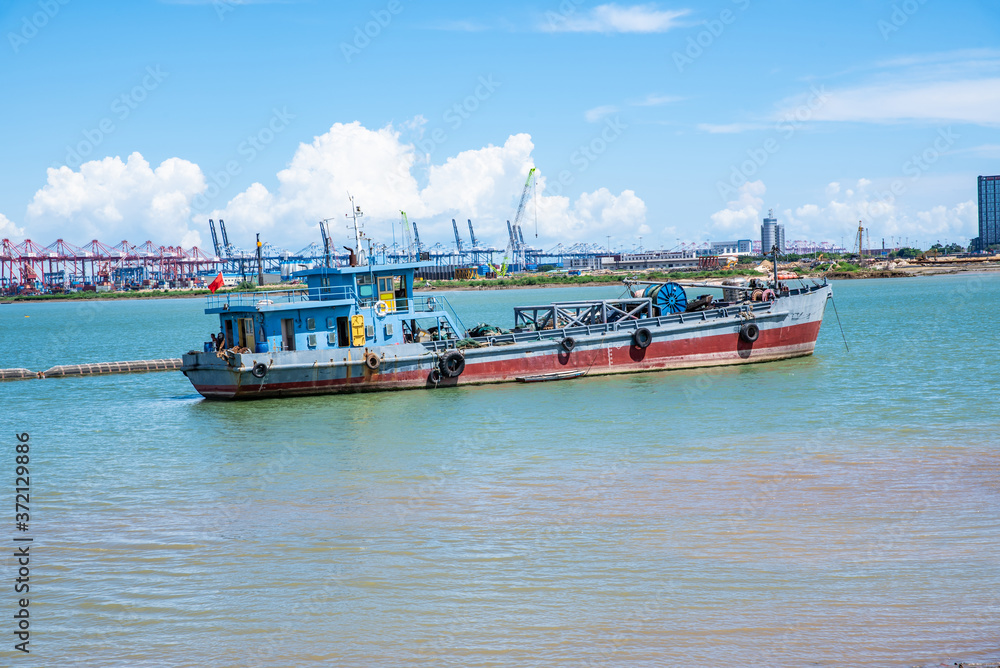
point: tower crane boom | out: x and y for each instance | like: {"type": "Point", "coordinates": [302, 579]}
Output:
{"type": "Point", "coordinates": [326, 242]}
{"type": "Point", "coordinates": [458, 239]}
{"type": "Point", "coordinates": [215, 239]}
{"type": "Point", "coordinates": [407, 237]}
{"type": "Point", "coordinates": [472, 233]}
{"type": "Point", "coordinates": [524, 198]}
{"type": "Point", "coordinates": [416, 237]}
{"type": "Point", "coordinates": [225, 238]}
{"type": "Point", "coordinates": [515, 248]}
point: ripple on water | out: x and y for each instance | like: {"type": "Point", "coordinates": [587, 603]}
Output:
{"type": "Point", "coordinates": [835, 510]}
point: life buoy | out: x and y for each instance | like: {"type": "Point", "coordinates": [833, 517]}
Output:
{"type": "Point", "coordinates": [259, 370]}
{"type": "Point", "coordinates": [642, 337]}
{"type": "Point", "coordinates": [452, 365]}
{"type": "Point", "coordinates": [431, 303]}
{"type": "Point", "coordinates": [381, 308]}
{"type": "Point", "coordinates": [749, 332]}
{"type": "Point", "coordinates": [768, 295]}
{"type": "Point", "coordinates": [568, 343]}
{"type": "Point", "coordinates": [372, 361]}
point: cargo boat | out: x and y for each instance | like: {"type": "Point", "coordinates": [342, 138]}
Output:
{"type": "Point", "coordinates": [362, 328]}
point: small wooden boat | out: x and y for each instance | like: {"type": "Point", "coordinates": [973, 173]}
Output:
{"type": "Point", "coordinates": [541, 378]}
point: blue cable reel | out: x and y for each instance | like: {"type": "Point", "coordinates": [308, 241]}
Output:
{"type": "Point", "coordinates": [670, 298]}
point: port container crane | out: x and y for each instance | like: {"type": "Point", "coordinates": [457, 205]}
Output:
{"type": "Point", "coordinates": [416, 237]}
{"type": "Point", "coordinates": [458, 239]}
{"type": "Point", "coordinates": [326, 242]}
{"type": "Point", "coordinates": [478, 252]}
{"type": "Point", "coordinates": [472, 233]}
{"type": "Point", "coordinates": [227, 249]}
{"type": "Point", "coordinates": [215, 239]}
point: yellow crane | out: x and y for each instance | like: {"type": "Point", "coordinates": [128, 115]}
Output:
{"type": "Point", "coordinates": [515, 243]}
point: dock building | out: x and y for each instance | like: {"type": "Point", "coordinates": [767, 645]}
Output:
{"type": "Point", "coordinates": [739, 247]}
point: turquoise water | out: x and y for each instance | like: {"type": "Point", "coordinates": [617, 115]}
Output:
{"type": "Point", "coordinates": [841, 509]}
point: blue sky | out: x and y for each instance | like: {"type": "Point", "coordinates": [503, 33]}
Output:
{"type": "Point", "coordinates": [670, 121]}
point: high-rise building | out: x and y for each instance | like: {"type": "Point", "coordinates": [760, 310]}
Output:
{"type": "Point", "coordinates": [772, 233]}
{"type": "Point", "coordinates": [989, 212]}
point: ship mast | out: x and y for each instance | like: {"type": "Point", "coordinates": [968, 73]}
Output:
{"type": "Point", "coordinates": [358, 235]}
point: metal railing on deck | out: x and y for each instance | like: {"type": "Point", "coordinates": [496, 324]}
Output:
{"type": "Point", "coordinates": [267, 297]}
{"type": "Point", "coordinates": [436, 304]}
{"type": "Point", "coordinates": [579, 328]}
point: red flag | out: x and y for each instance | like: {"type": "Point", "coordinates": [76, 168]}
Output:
{"type": "Point", "coordinates": [216, 283]}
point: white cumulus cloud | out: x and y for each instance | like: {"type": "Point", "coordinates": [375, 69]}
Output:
{"type": "Point", "coordinates": [8, 229]}
{"type": "Point", "coordinates": [885, 215]}
{"type": "Point", "coordinates": [113, 200]}
{"type": "Point", "coordinates": [742, 214]}
{"type": "Point", "coordinates": [384, 176]}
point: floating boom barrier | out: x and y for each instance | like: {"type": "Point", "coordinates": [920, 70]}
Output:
{"type": "Point", "coordinates": [94, 369]}
{"type": "Point", "coordinates": [17, 374]}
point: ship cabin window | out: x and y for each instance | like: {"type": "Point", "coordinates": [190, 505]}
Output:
{"type": "Point", "coordinates": [365, 290]}
{"type": "Point", "coordinates": [288, 334]}
{"type": "Point", "coordinates": [310, 324]}
{"type": "Point", "coordinates": [229, 333]}
{"type": "Point", "coordinates": [325, 290]}
{"type": "Point", "coordinates": [343, 332]}
{"type": "Point", "coordinates": [387, 291]}
{"type": "Point", "coordinates": [402, 303]}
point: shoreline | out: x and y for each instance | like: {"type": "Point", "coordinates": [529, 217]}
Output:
{"type": "Point", "coordinates": [514, 284]}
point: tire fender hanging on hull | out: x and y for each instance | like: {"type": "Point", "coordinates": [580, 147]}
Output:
{"type": "Point", "coordinates": [452, 364]}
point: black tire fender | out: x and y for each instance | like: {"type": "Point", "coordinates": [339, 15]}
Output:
{"type": "Point", "coordinates": [452, 365]}
{"type": "Point", "coordinates": [372, 361]}
{"type": "Point", "coordinates": [259, 370]}
{"type": "Point", "coordinates": [568, 343]}
{"type": "Point", "coordinates": [749, 332]}
{"type": "Point", "coordinates": [642, 337]}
